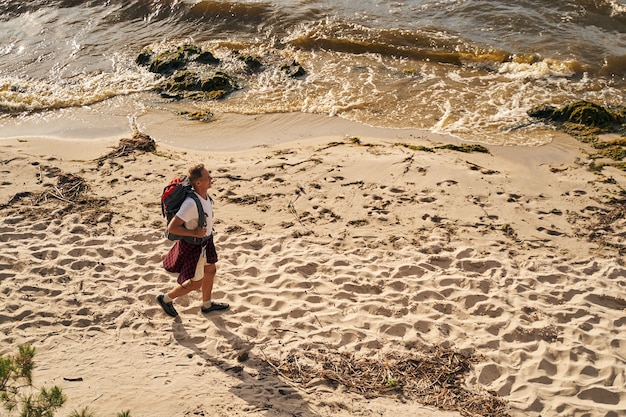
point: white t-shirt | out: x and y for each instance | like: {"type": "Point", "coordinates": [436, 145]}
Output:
{"type": "Point", "coordinates": [188, 212]}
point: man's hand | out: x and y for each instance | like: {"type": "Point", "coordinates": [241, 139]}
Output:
{"type": "Point", "coordinates": [199, 232]}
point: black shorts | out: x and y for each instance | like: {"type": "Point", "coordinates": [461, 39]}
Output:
{"type": "Point", "coordinates": [211, 253]}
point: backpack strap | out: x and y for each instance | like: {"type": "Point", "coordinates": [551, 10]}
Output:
{"type": "Point", "coordinates": [201, 214]}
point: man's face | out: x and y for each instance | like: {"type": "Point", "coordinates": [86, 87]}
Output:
{"type": "Point", "coordinates": [206, 181]}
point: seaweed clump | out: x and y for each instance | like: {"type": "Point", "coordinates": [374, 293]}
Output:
{"type": "Point", "coordinates": [201, 115]}
{"type": "Point", "coordinates": [138, 142]}
{"type": "Point", "coordinates": [465, 148]}
{"type": "Point", "coordinates": [581, 114]}
{"type": "Point", "coordinates": [585, 121]}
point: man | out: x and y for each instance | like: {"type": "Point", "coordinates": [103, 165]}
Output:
{"type": "Point", "coordinates": [194, 263]}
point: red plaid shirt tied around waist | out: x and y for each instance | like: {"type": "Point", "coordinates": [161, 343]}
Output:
{"type": "Point", "coordinates": [183, 258]}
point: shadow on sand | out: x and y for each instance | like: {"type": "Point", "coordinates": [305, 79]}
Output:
{"type": "Point", "coordinates": [263, 391]}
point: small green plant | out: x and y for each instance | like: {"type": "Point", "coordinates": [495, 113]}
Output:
{"type": "Point", "coordinates": [85, 412]}
{"type": "Point", "coordinates": [16, 377]}
{"type": "Point", "coordinates": [16, 373]}
{"type": "Point", "coordinates": [391, 383]}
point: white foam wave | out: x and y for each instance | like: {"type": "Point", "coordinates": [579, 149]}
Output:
{"type": "Point", "coordinates": [617, 8]}
{"type": "Point", "coordinates": [542, 69]}
{"type": "Point", "coordinates": [24, 94]}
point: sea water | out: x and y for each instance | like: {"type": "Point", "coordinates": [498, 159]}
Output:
{"type": "Point", "coordinates": [469, 68]}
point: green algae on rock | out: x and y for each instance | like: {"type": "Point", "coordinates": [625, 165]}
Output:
{"type": "Point", "coordinates": [189, 72]}
{"type": "Point", "coordinates": [190, 84]}
{"type": "Point", "coordinates": [580, 112]}
{"type": "Point", "coordinates": [586, 121]}
{"type": "Point", "coordinates": [182, 82]}
{"type": "Point", "coordinates": [201, 115]}
{"type": "Point", "coordinates": [583, 113]}
{"type": "Point", "coordinates": [253, 64]}
{"type": "Point", "coordinates": [166, 63]}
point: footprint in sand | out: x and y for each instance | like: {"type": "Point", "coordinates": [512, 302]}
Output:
{"type": "Point", "coordinates": [576, 193]}
{"type": "Point", "coordinates": [600, 395]}
{"type": "Point", "coordinates": [550, 232]}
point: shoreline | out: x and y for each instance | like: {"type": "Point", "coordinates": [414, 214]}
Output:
{"type": "Point", "coordinates": [244, 132]}
{"type": "Point", "coordinates": [326, 245]}
{"type": "Point", "coordinates": [236, 132]}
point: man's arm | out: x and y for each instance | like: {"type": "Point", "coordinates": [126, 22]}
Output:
{"type": "Point", "coordinates": [177, 227]}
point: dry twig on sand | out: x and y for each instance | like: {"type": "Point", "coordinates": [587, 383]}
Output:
{"type": "Point", "coordinates": [434, 379]}
{"type": "Point", "coordinates": [70, 192]}
{"type": "Point", "coordinates": [68, 189]}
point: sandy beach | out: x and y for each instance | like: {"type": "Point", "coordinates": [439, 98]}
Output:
{"type": "Point", "coordinates": [368, 275]}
